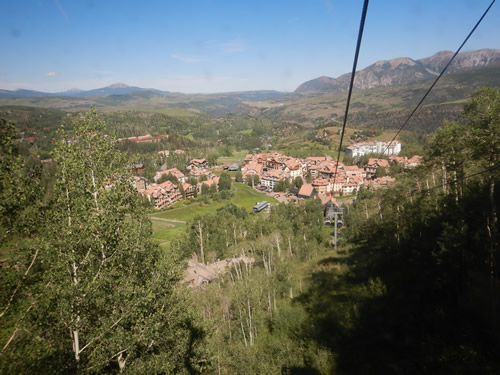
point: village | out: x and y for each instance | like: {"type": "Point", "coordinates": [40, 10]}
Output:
{"type": "Point", "coordinates": [315, 176]}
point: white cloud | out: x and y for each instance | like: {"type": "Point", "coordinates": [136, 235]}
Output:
{"type": "Point", "coordinates": [185, 59]}
{"type": "Point", "coordinates": [51, 74]}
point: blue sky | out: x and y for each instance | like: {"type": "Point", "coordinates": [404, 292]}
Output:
{"type": "Point", "coordinates": [217, 46]}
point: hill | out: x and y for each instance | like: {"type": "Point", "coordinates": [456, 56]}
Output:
{"type": "Point", "coordinates": [382, 107]}
{"type": "Point", "coordinates": [214, 104]}
{"type": "Point", "coordinates": [402, 70]}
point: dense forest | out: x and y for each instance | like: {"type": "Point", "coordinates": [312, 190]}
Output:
{"type": "Point", "coordinates": [413, 286]}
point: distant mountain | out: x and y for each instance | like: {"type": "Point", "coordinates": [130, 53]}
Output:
{"type": "Point", "coordinates": [21, 93]}
{"type": "Point", "coordinates": [114, 89]}
{"type": "Point", "coordinates": [402, 70]}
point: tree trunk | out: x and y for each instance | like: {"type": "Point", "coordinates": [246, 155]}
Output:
{"type": "Point", "coordinates": [200, 231]}
{"type": "Point", "coordinates": [278, 245]}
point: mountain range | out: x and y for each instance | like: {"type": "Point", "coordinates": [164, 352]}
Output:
{"type": "Point", "coordinates": [114, 89]}
{"type": "Point", "coordinates": [402, 70]}
{"type": "Point", "coordinates": [381, 73]}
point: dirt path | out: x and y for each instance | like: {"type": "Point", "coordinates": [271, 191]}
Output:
{"type": "Point", "coordinates": [168, 220]}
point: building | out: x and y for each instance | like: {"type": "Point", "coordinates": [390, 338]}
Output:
{"type": "Point", "coordinates": [260, 206]}
{"type": "Point", "coordinates": [197, 164]}
{"type": "Point", "coordinates": [321, 185]}
{"type": "Point", "coordinates": [140, 183]}
{"type": "Point", "coordinates": [307, 191]}
{"type": "Point", "coordinates": [272, 177]}
{"type": "Point", "coordinates": [373, 165]}
{"type": "Point", "coordinates": [233, 168]}
{"type": "Point", "coordinates": [162, 195]}
{"type": "Point", "coordinates": [214, 181]}
{"type": "Point", "coordinates": [173, 171]}
{"type": "Point", "coordinates": [364, 148]}
{"type": "Point", "coordinates": [189, 190]}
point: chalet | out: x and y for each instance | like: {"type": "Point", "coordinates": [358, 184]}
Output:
{"type": "Point", "coordinates": [209, 183]}
{"type": "Point", "coordinates": [321, 185]}
{"type": "Point", "coordinates": [327, 169]}
{"type": "Point", "coordinates": [313, 170]}
{"type": "Point", "coordinates": [173, 171]}
{"type": "Point", "coordinates": [252, 169]}
{"type": "Point", "coordinates": [307, 191]}
{"type": "Point", "coordinates": [198, 274]}
{"type": "Point", "coordinates": [140, 183]}
{"type": "Point", "coordinates": [136, 168]}
{"type": "Point", "coordinates": [339, 181]}
{"type": "Point", "coordinates": [315, 160]}
{"type": "Point", "coordinates": [414, 161]}
{"type": "Point", "coordinates": [189, 190]}
{"type": "Point", "coordinates": [353, 170]}
{"type": "Point", "coordinates": [294, 168]}
{"type": "Point", "coordinates": [349, 189]}
{"type": "Point", "coordinates": [271, 161]}
{"type": "Point", "coordinates": [272, 177]}
{"type": "Point", "coordinates": [399, 160]}
{"type": "Point", "coordinates": [373, 165]}
{"type": "Point", "coordinates": [201, 172]}
{"type": "Point", "coordinates": [196, 164]}
{"type": "Point", "coordinates": [162, 195]}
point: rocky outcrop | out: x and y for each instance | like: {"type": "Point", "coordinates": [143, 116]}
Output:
{"type": "Point", "coordinates": [402, 70]}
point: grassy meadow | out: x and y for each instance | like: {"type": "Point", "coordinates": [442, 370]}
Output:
{"type": "Point", "coordinates": [171, 222]}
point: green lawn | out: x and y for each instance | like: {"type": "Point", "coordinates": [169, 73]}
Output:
{"type": "Point", "coordinates": [244, 197]}
{"type": "Point", "coordinates": [235, 158]}
{"type": "Point", "coordinates": [165, 231]}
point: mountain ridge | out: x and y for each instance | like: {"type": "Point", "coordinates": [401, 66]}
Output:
{"type": "Point", "coordinates": [401, 70]}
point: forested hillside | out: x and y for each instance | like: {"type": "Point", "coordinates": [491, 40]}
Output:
{"type": "Point", "coordinates": [381, 107]}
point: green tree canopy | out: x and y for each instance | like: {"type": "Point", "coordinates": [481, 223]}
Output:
{"type": "Point", "coordinates": [112, 297]}
{"type": "Point", "coordinates": [225, 181]}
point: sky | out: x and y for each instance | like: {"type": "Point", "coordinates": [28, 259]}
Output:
{"type": "Point", "coordinates": [208, 46]}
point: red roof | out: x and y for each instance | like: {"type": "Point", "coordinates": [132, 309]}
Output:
{"type": "Point", "coordinates": [306, 190]}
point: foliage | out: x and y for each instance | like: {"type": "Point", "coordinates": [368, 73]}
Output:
{"type": "Point", "coordinates": [225, 181]}
{"type": "Point", "coordinates": [168, 177]}
{"type": "Point", "coordinates": [298, 182]}
{"type": "Point", "coordinates": [252, 180]}
{"type": "Point", "coordinates": [430, 244]}
{"type": "Point", "coordinates": [238, 177]}
{"type": "Point", "coordinates": [107, 298]}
